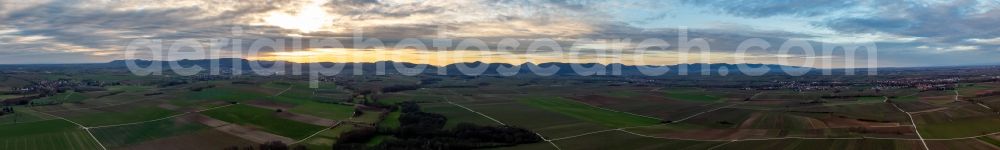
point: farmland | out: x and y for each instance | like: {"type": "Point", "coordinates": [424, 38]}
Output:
{"type": "Point", "coordinates": [120, 136]}
{"type": "Point", "coordinates": [49, 135]}
{"type": "Point", "coordinates": [584, 112]}
{"type": "Point", "coordinates": [265, 119]}
{"type": "Point", "coordinates": [562, 112]}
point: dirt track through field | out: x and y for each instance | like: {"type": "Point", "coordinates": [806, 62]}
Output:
{"type": "Point", "coordinates": [497, 121]}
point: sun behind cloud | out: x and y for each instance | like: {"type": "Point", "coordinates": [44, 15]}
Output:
{"type": "Point", "coordinates": [309, 18]}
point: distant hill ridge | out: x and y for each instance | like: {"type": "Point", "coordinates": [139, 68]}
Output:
{"type": "Point", "coordinates": [492, 68]}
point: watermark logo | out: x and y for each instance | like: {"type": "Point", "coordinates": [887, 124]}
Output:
{"type": "Point", "coordinates": [360, 55]}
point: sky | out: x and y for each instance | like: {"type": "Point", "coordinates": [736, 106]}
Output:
{"type": "Point", "coordinates": [902, 33]}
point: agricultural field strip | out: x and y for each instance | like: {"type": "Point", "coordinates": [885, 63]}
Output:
{"type": "Point", "coordinates": [283, 91]}
{"type": "Point", "coordinates": [763, 139]}
{"type": "Point", "coordinates": [611, 110]}
{"type": "Point", "coordinates": [914, 123]}
{"type": "Point", "coordinates": [67, 96]}
{"type": "Point", "coordinates": [501, 123]}
{"type": "Point", "coordinates": [158, 119]}
{"type": "Point", "coordinates": [481, 114]}
{"type": "Point", "coordinates": [656, 89]}
{"type": "Point", "coordinates": [755, 95]}
{"type": "Point", "coordinates": [602, 131]}
{"type": "Point", "coordinates": [811, 138]}
{"type": "Point", "coordinates": [800, 107]}
{"type": "Point", "coordinates": [470, 110]}
{"type": "Point", "coordinates": [780, 138]}
{"type": "Point", "coordinates": [81, 126]}
{"type": "Point", "coordinates": [317, 132]}
{"type": "Point", "coordinates": [498, 121]}
{"type": "Point", "coordinates": [29, 121]}
{"type": "Point", "coordinates": [720, 145]}
{"type": "Point", "coordinates": [695, 115]}
{"type": "Point", "coordinates": [112, 105]}
{"type": "Point", "coordinates": [977, 103]}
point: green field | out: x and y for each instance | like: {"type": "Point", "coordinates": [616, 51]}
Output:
{"type": "Point", "coordinates": [324, 110]}
{"type": "Point", "coordinates": [23, 115]}
{"type": "Point", "coordinates": [65, 97]}
{"type": "Point", "coordinates": [378, 140]}
{"type": "Point", "coordinates": [136, 114]}
{"type": "Point", "coordinates": [392, 100]}
{"type": "Point", "coordinates": [264, 119]}
{"type": "Point", "coordinates": [990, 140]}
{"type": "Point", "coordinates": [545, 122]}
{"type": "Point", "coordinates": [817, 144]}
{"type": "Point", "coordinates": [666, 128]}
{"type": "Point", "coordinates": [325, 139]}
{"type": "Point", "coordinates": [368, 116]}
{"type": "Point", "coordinates": [573, 112]}
{"type": "Point", "coordinates": [623, 94]}
{"type": "Point", "coordinates": [391, 120]}
{"type": "Point", "coordinates": [276, 85]}
{"type": "Point", "coordinates": [908, 98]}
{"type": "Point", "coordinates": [45, 135]}
{"type": "Point", "coordinates": [622, 140]}
{"type": "Point", "coordinates": [226, 93]}
{"type": "Point", "coordinates": [584, 112]}
{"type": "Point", "coordinates": [129, 88]}
{"type": "Point", "coordinates": [455, 114]}
{"type": "Point", "coordinates": [121, 136]}
{"type": "Point", "coordinates": [960, 128]}
{"type": "Point", "coordinates": [691, 95]}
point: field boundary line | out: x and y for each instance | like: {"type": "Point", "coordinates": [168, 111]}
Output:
{"type": "Point", "coordinates": [914, 123]}
{"type": "Point", "coordinates": [602, 131]}
{"type": "Point", "coordinates": [984, 106]}
{"type": "Point", "coordinates": [656, 89]}
{"type": "Point", "coordinates": [498, 121]}
{"type": "Point", "coordinates": [95, 139]}
{"type": "Point", "coordinates": [695, 115]}
{"type": "Point", "coordinates": [764, 139]}
{"type": "Point", "coordinates": [720, 145]}
{"type": "Point", "coordinates": [622, 128]}
{"type": "Point", "coordinates": [317, 132]}
{"type": "Point", "coordinates": [158, 119]}
{"type": "Point", "coordinates": [977, 103]}
{"type": "Point", "coordinates": [81, 126]}
{"type": "Point", "coordinates": [67, 96]}
{"type": "Point", "coordinates": [776, 138]}
{"type": "Point", "coordinates": [813, 106]}
{"type": "Point", "coordinates": [470, 110]}
{"type": "Point", "coordinates": [547, 140]}
{"type": "Point", "coordinates": [584, 134]}
{"type": "Point", "coordinates": [814, 138]}
{"type": "Point", "coordinates": [283, 91]}
{"type": "Point", "coordinates": [481, 114]}
{"type": "Point", "coordinates": [754, 96]}
{"type": "Point", "coordinates": [105, 106]}
{"type": "Point", "coordinates": [30, 121]}
{"type": "Point", "coordinates": [611, 110]}
{"type": "Point", "coordinates": [501, 123]}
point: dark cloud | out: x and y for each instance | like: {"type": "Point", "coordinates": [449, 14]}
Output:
{"type": "Point", "coordinates": [955, 19]}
